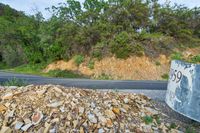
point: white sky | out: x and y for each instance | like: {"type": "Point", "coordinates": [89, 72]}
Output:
{"type": "Point", "coordinates": [28, 6]}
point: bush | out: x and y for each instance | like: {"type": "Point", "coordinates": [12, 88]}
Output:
{"type": "Point", "coordinates": [78, 59]}
{"type": "Point", "coordinates": [13, 55]}
{"type": "Point", "coordinates": [100, 49]}
{"type": "Point", "coordinates": [148, 119]}
{"type": "Point", "coordinates": [165, 76]}
{"type": "Point", "coordinates": [195, 59]}
{"type": "Point", "coordinates": [177, 56]}
{"type": "Point", "coordinates": [123, 46]}
{"type": "Point", "coordinates": [157, 63]}
{"type": "Point", "coordinates": [91, 64]}
{"type": "Point", "coordinates": [120, 46]}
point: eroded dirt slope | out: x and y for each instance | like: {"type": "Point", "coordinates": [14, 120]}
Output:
{"type": "Point", "coordinates": [133, 68]}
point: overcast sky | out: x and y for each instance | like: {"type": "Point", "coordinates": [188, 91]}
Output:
{"type": "Point", "coordinates": [28, 6]}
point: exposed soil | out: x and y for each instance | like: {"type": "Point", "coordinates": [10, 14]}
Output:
{"type": "Point", "coordinates": [133, 68]}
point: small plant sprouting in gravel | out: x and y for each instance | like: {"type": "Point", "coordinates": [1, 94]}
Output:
{"type": "Point", "coordinates": [15, 82]}
{"type": "Point", "coordinates": [147, 119]}
{"type": "Point", "coordinates": [189, 130]}
{"type": "Point", "coordinates": [173, 126]}
{"type": "Point", "coordinates": [157, 118]}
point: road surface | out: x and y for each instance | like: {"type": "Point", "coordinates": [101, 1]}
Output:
{"type": "Point", "coordinates": [153, 89]}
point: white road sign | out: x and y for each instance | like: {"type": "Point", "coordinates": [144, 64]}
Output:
{"type": "Point", "coordinates": [183, 91]}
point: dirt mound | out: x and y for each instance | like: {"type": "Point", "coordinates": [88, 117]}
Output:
{"type": "Point", "coordinates": [133, 68]}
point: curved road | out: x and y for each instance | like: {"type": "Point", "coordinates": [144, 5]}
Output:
{"type": "Point", "coordinates": [153, 89]}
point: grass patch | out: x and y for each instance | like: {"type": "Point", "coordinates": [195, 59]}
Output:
{"type": "Point", "coordinates": [3, 66]}
{"type": "Point", "coordinates": [147, 119]}
{"type": "Point", "coordinates": [64, 74]}
{"type": "Point", "coordinates": [29, 69]}
{"type": "Point", "coordinates": [15, 82]}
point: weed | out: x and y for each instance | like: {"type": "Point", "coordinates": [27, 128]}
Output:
{"type": "Point", "coordinates": [15, 82]}
{"type": "Point", "coordinates": [104, 77]}
{"type": "Point", "coordinates": [173, 126]}
{"type": "Point", "coordinates": [148, 119]}
{"type": "Point", "coordinates": [78, 59]}
{"type": "Point", "coordinates": [177, 56]}
{"type": "Point", "coordinates": [189, 130]}
{"type": "Point", "coordinates": [158, 120]}
{"type": "Point", "coordinates": [195, 59]}
{"type": "Point", "coordinates": [91, 64]}
{"type": "Point", "coordinates": [165, 76]}
{"type": "Point", "coordinates": [157, 63]}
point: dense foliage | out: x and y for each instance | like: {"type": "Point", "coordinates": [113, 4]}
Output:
{"type": "Point", "coordinates": [97, 28]}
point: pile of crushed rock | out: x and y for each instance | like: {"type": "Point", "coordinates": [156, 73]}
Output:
{"type": "Point", "coordinates": [52, 109]}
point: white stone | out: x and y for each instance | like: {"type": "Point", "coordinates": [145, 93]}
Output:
{"type": "Point", "coordinates": [92, 118]}
{"type": "Point", "coordinates": [26, 127]}
{"type": "Point", "coordinates": [18, 125]}
{"type": "Point", "coordinates": [126, 100]}
{"type": "Point", "coordinates": [101, 130]}
{"type": "Point", "coordinates": [81, 110]}
{"type": "Point", "coordinates": [55, 104]}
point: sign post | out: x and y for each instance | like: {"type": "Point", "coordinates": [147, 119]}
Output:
{"type": "Point", "coordinates": [183, 91]}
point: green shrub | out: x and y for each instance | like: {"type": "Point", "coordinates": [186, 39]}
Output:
{"type": "Point", "coordinates": [177, 56]}
{"type": "Point", "coordinates": [148, 119]}
{"type": "Point", "coordinates": [120, 46]}
{"type": "Point", "coordinates": [63, 74]}
{"type": "Point", "coordinates": [165, 76]}
{"type": "Point", "coordinates": [3, 65]}
{"type": "Point", "coordinates": [123, 45]}
{"type": "Point", "coordinates": [173, 126]}
{"type": "Point", "coordinates": [157, 118]}
{"type": "Point", "coordinates": [15, 82]}
{"type": "Point", "coordinates": [195, 59]}
{"type": "Point", "coordinates": [13, 55]}
{"type": "Point", "coordinates": [97, 54]}
{"type": "Point", "coordinates": [157, 63]}
{"type": "Point", "coordinates": [91, 64]}
{"type": "Point", "coordinates": [78, 59]}
{"type": "Point", "coordinates": [190, 130]}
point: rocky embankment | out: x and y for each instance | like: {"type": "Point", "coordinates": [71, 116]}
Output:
{"type": "Point", "coordinates": [52, 109]}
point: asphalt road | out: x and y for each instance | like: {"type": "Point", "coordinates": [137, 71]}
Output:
{"type": "Point", "coordinates": [154, 89]}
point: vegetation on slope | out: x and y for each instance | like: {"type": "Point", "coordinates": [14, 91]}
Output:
{"type": "Point", "coordinates": [96, 29]}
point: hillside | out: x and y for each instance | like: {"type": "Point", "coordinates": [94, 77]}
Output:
{"type": "Point", "coordinates": [135, 36]}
